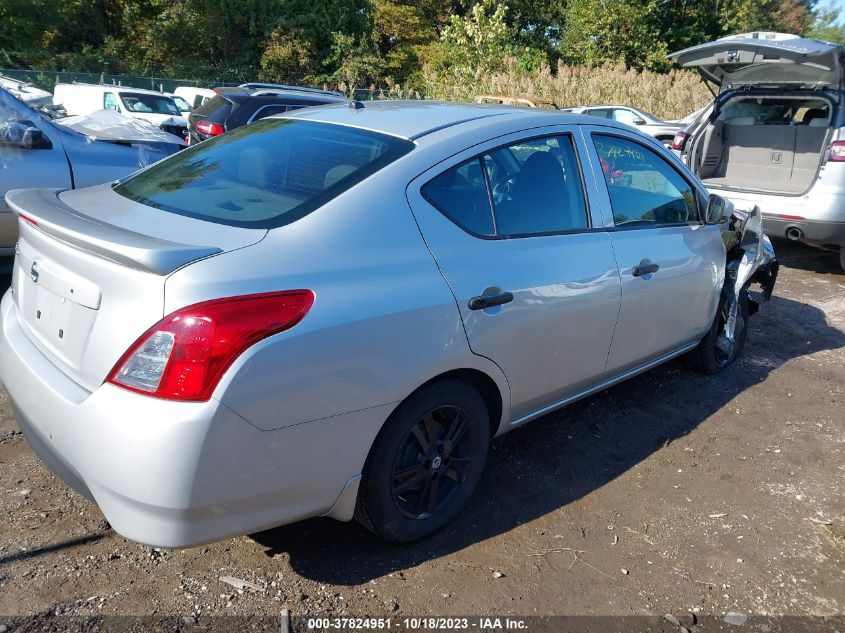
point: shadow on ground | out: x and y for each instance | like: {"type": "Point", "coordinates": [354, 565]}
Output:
{"type": "Point", "coordinates": [803, 257]}
{"type": "Point", "coordinates": [566, 455]}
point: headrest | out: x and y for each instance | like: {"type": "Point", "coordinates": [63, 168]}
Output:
{"type": "Point", "coordinates": [742, 120]}
{"type": "Point", "coordinates": [818, 122]}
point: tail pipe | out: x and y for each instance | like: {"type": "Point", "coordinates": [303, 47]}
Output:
{"type": "Point", "coordinates": [794, 233]}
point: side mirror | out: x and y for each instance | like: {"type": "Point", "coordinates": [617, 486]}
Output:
{"type": "Point", "coordinates": [639, 121]}
{"type": "Point", "coordinates": [23, 134]}
{"type": "Point", "coordinates": [718, 209]}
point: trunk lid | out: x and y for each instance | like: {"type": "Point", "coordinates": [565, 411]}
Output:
{"type": "Point", "coordinates": [765, 58]}
{"type": "Point", "coordinates": [90, 271]}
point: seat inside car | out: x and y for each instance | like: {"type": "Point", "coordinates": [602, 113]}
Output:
{"type": "Point", "coordinates": [539, 200]}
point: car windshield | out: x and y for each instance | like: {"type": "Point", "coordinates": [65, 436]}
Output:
{"type": "Point", "coordinates": [267, 174]}
{"type": "Point", "coordinates": [181, 104]}
{"type": "Point", "coordinates": [155, 104]}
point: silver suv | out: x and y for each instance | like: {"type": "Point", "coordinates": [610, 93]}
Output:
{"type": "Point", "coordinates": [773, 136]}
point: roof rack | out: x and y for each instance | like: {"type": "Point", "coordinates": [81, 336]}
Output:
{"type": "Point", "coordinates": [253, 85]}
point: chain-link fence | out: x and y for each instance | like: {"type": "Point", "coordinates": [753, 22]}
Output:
{"type": "Point", "coordinates": [47, 79]}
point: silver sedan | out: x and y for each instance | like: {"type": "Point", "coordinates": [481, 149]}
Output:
{"type": "Point", "coordinates": [333, 312]}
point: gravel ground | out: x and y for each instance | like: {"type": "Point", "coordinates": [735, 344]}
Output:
{"type": "Point", "coordinates": [670, 494]}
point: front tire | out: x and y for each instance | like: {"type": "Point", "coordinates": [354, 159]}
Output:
{"type": "Point", "coordinates": [425, 462]}
{"type": "Point", "coordinates": [708, 358]}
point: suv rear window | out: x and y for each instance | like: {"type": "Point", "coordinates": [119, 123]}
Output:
{"type": "Point", "coordinates": [215, 109]}
{"type": "Point", "coordinates": [264, 175]}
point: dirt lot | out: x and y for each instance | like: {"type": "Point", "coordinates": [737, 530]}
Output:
{"type": "Point", "coordinates": [670, 494]}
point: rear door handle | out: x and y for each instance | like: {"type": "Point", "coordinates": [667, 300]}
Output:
{"type": "Point", "coordinates": [483, 302]}
{"type": "Point", "coordinates": [645, 267]}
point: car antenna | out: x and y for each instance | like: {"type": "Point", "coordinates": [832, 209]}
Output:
{"type": "Point", "coordinates": [354, 104]}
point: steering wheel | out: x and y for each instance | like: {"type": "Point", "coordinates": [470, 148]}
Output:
{"type": "Point", "coordinates": [503, 188]}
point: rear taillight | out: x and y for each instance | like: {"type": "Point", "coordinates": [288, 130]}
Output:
{"type": "Point", "coordinates": [837, 152]}
{"type": "Point", "coordinates": [210, 129]}
{"type": "Point", "coordinates": [679, 141]}
{"type": "Point", "coordinates": [185, 354]}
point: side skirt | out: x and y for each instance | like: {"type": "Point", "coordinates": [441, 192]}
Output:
{"type": "Point", "coordinates": [604, 385]}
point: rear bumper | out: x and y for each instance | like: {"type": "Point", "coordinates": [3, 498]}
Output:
{"type": "Point", "coordinates": [178, 474]}
{"type": "Point", "coordinates": [811, 231]}
{"type": "Point", "coordinates": [819, 215]}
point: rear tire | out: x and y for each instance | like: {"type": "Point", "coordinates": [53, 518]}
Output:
{"type": "Point", "coordinates": [708, 358]}
{"type": "Point", "coordinates": [425, 462]}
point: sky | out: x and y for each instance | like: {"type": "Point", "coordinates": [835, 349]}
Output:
{"type": "Point", "coordinates": [840, 5]}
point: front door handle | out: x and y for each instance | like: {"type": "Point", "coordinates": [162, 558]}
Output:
{"type": "Point", "coordinates": [483, 302]}
{"type": "Point", "coordinates": [645, 267]}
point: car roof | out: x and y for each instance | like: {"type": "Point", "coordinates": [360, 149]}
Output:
{"type": "Point", "coordinates": [414, 119]}
{"type": "Point", "coordinates": [318, 97]}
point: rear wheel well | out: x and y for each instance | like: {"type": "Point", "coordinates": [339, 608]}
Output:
{"type": "Point", "coordinates": [481, 382]}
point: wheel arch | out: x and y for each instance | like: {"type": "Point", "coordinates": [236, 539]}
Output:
{"type": "Point", "coordinates": [482, 382]}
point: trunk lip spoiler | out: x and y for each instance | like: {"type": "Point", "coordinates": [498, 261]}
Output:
{"type": "Point", "coordinates": [42, 210]}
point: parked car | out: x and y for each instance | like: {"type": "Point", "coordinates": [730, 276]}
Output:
{"type": "Point", "coordinates": [36, 152]}
{"type": "Point", "coordinates": [26, 92]}
{"type": "Point", "coordinates": [184, 107]}
{"type": "Point", "coordinates": [194, 96]}
{"type": "Point", "coordinates": [525, 101]}
{"type": "Point", "coordinates": [147, 105]}
{"type": "Point", "coordinates": [356, 300]}
{"type": "Point", "coordinates": [236, 106]}
{"type": "Point", "coordinates": [663, 131]}
{"type": "Point", "coordinates": [774, 136]}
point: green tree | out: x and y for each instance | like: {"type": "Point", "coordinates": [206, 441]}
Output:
{"type": "Point", "coordinates": [286, 57]}
{"type": "Point", "coordinates": [612, 31]}
{"type": "Point", "coordinates": [827, 24]}
{"type": "Point", "coordinates": [399, 30]}
{"type": "Point", "coordinates": [478, 43]}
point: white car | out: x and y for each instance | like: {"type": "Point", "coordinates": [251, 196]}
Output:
{"type": "Point", "coordinates": [663, 131]}
{"type": "Point", "coordinates": [194, 96]}
{"type": "Point", "coordinates": [774, 136]}
{"type": "Point", "coordinates": [26, 92]}
{"type": "Point", "coordinates": [148, 105]}
{"type": "Point", "coordinates": [184, 107]}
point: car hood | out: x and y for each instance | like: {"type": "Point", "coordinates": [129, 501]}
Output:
{"type": "Point", "coordinates": [108, 125]}
{"type": "Point", "coordinates": [765, 58]}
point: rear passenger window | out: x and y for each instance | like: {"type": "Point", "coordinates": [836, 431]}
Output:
{"type": "Point", "coordinates": [533, 187]}
{"type": "Point", "coordinates": [270, 110]}
{"type": "Point", "coordinates": [536, 187]}
{"type": "Point", "coordinates": [460, 194]}
{"type": "Point", "coordinates": [644, 189]}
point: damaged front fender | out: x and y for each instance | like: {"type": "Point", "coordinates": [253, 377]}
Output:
{"type": "Point", "coordinates": [750, 259]}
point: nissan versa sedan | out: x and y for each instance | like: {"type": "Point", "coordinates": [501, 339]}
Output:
{"type": "Point", "coordinates": [331, 313]}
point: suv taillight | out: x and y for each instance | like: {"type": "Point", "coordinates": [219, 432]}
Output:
{"type": "Point", "coordinates": [185, 355]}
{"type": "Point", "coordinates": [837, 152]}
{"type": "Point", "coordinates": [679, 141]}
{"type": "Point", "coordinates": [209, 129]}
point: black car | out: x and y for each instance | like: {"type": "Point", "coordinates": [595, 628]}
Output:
{"type": "Point", "coordinates": [237, 106]}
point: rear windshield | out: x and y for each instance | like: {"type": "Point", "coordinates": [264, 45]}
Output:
{"type": "Point", "coordinates": [215, 109]}
{"type": "Point", "coordinates": [266, 174]}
